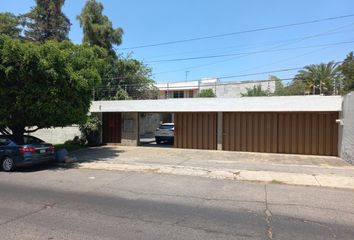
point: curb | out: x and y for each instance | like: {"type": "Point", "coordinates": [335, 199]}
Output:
{"type": "Point", "coordinates": [320, 180]}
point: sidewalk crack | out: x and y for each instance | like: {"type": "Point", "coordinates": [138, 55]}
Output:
{"type": "Point", "coordinates": [314, 175]}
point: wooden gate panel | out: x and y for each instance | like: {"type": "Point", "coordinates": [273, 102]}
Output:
{"type": "Point", "coordinates": [253, 132]}
{"type": "Point", "coordinates": [195, 130]}
{"type": "Point", "coordinates": [292, 132]}
{"type": "Point", "coordinates": [111, 126]}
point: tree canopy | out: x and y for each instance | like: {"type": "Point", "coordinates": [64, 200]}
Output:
{"type": "Point", "coordinates": [97, 28]}
{"type": "Point", "coordinates": [347, 70]}
{"type": "Point", "coordinates": [319, 78]}
{"type": "Point", "coordinates": [255, 91]}
{"type": "Point", "coordinates": [46, 85]}
{"type": "Point", "coordinates": [206, 93]}
{"type": "Point", "coordinates": [46, 21]}
{"type": "Point", "coordinates": [10, 25]}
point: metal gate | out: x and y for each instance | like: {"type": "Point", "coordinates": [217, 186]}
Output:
{"type": "Point", "coordinates": [111, 126]}
{"type": "Point", "coordinates": [295, 133]}
{"type": "Point", "coordinates": [195, 130]}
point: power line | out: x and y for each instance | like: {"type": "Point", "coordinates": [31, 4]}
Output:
{"type": "Point", "coordinates": [248, 46]}
{"type": "Point", "coordinates": [247, 53]}
{"type": "Point", "coordinates": [240, 32]}
{"type": "Point", "coordinates": [271, 48]}
{"type": "Point", "coordinates": [227, 76]}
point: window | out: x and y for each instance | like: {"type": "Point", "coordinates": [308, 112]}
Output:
{"type": "Point", "coordinates": [26, 140]}
{"type": "Point", "coordinates": [165, 126]}
{"type": "Point", "coordinates": [178, 94]}
{"type": "Point", "coordinates": [191, 94]}
{"type": "Point", "coordinates": [4, 141]}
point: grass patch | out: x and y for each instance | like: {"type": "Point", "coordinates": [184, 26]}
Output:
{"type": "Point", "coordinates": [69, 146]}
{"type": "Point", "coordinates": [276, 182]}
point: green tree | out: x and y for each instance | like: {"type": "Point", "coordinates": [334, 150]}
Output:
{"type": "Point", "coordinates": [46, 85]}
{"type": "Point", "coordinates": [126, 78]}
{"type": "Point", "coordinates": [255, 91]}
{"type": "Point", "coordinates": [10, 25]}
{"type": "Point", "coordinates": [280, 89]}
{"type": "Point", "coordinates": [97, 28]}
{"type": "Point", "coordinates": [347, 70]}
{"type": "Point", "coordinates": [296, 87]}
{"type": "Point", "coordinates": [206, 93]}
{"type": "Point", "coordinates": [46, 21]}
{"type": "Point", "coordinates": [123, 77]}
{"type": "Point", "coordinates": [320, 78]}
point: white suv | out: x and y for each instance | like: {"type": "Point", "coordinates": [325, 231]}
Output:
{"type": "Point", "coordinates": [165, 133]}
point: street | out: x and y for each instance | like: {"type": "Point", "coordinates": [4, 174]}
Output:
{"type": "Point", "coordinates": [59, 203]}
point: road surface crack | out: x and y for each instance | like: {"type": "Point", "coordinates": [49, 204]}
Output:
{"type": "Point", "coordinates": [268, 215]}
{"type": "Point", "coordinates": [330, 229]}
{"type": "Point", "coordinates": [175, 224]}
{"type": "Point", "coordinates": [44, 207]}
{"type": "Point", "coordinates": [189, 196]}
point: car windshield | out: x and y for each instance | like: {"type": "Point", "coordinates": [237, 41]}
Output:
{"type": "Point", "coordinates": [26, 140]}
{"type": "Point", "coordinates": [166, 126]}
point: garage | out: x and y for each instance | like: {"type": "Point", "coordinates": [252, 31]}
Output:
{"type": "Point", "coordinates": [292, 125]}
{"type": "Point", "coordinates": [314, 133]}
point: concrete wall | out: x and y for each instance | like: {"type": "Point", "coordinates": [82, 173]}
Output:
{"type": "Point", "coordinates": [130, 129]}
{"type": "Point", "coordinates": [223, 89]}
{"type": "Point", "coordinates": [148, 123]}
{"type": "Point", "coordinates": [232, 90]}
{"type": "Point", "coordinates": [347, 130]}
{"type": "Point", "coordinates": [57, 135]}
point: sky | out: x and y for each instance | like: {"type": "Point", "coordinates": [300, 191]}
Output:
{"type": "Point", "coordinates": [158, 21]}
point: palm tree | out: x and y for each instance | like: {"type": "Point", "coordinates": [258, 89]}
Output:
{"type": "Point", "coordinates": [320, 78]}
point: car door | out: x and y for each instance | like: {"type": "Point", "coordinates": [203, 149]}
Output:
{"type": "Point", "coordinates": [3, 143]}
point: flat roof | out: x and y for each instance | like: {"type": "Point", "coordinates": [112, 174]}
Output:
{"type": "Point", "coordinates": [243, 104]}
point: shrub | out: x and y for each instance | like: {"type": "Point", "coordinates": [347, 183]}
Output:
{"type": "Point", "coordinates": [91, 130]}
{"type": "Point", "coordinates": [206, 93]}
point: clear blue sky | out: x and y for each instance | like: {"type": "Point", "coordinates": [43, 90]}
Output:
{"type": "Point", "coordinates": [155, 21]}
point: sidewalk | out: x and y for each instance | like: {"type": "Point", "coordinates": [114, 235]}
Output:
{"type": "Point", "coordinates": [275, 168]}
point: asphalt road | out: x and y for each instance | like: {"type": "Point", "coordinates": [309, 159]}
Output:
{"type": "Point", "coordinates": [83, 204]}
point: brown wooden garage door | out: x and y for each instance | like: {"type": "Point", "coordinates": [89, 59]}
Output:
{"type": "Point", "coordinates": [296, 133]}
{"type": "Point", "coordinates": [195, 130]}
{"type": "Point", "coordinates": [111, 125]}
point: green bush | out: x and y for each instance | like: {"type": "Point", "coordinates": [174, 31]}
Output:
{"type": "Point", "coordinates": [91, 130]}
{"type": "Point", "coordinates": [206, 93]}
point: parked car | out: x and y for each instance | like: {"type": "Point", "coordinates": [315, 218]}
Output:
{"type": "Point", "coordinates": [165, 133]}
{"type": "Point", "coordinates": [28, 150]}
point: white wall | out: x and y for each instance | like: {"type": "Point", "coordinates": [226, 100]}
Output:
{"type": "Point", "coordinates": [232, 90]}
{"type": "Point", "coordinates": [347, 143]}
{"type": "Point", "coordinates": [57, 135]}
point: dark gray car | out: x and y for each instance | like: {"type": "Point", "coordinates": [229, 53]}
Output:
{"type": "Point", "coordinates": [25, 151]}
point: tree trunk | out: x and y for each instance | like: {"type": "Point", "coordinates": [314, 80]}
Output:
{"type": "Point", "coordinates": [18, 133]}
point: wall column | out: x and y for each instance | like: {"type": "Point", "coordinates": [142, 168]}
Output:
{"type": "Point", "coordinates": [219, 131]}
{"type": "Point", "coordinates": [130, 129]}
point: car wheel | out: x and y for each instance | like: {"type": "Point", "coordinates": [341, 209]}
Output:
{"type": "Point", "coordinates": [8, 164]}
{"type": "Point", "coordinates": [157, 140]}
